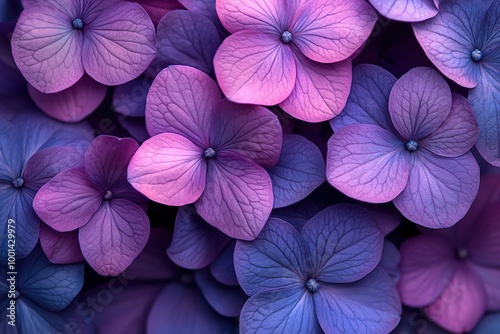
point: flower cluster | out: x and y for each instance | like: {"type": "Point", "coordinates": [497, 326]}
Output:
{"type": "Point", "coordinates": [264, 166]}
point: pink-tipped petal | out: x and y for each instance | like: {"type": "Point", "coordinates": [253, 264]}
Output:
{"type": "Point", "coordinates": [406, 10]}
{"type": "Point", "coordinates": [60, 247]}
{"type": "Point", "coordinates": [72, 104]}
{"type": "Point", "coordinates": [440, 190]}
{"type": "Point", "coordinates": [320, 92]}
{"type": "Point", "coordinates": [256, 68]}
{"type": "Point", "coordinates": [168, 169]}
{"type": "Point", "coordinates": [68, 201]}
{"type": "Point", "coordinates": [119, 44]}
{"type": "Point", "coordinates": [114, 236]}
{"type": "Point", "coordinates": [182, 101]}
{"type": "Point", "coordinates": [46, 48]}
{"type": "Point", "coordinates": [328, 31]}
{"type": "Point", "coordinates": [238, 198]}
{"type": "Point", "coordinates": [368, 163]}
{"type": "Point", "coordinates": [419, 103]}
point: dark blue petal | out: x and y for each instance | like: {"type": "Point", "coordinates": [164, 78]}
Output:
{"type": "Point", "coordinates": [223, 267]}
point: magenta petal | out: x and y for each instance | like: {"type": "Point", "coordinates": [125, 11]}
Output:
{"type": "Point", "coordinates": [256, 68]}
{"type": "Point", "coordinates": [457, 134]}
{"type": "Point", "coordinates": [119, 44]}
{"type": "Point", "coordinates": [368, 163]}
{"type": "Point", "coordinates": [440, 190]}
{"type": "Point", "coordinates": [114, 236]}
{"type": "Point", "coordinates": [238, 198]}
{"type": "Point", "coordinates": [182, 101]}
{"type": "Point", "coordinates": [406, 10]}
{"type": "Point", "coordinates": [468, 304]}
{"type": "Point", "coordinates": [370, 305]}
{"type": "Point", "coordinates": [320, 92]}
{"type": "Point", "coordinates": [168, 169]}
{"type": "Point", "coordinates": [419, 103]}
{"type": "Point", "coordinates": [46, 48]}
{"type": "Point", "coordinates": [449, 38]}
{"type": "Point", "coordinates": [60, 247]}
{"type": "Point", "coordinates": [345, 243]}
{"type": "Point", "coordinates": [261, 15]}
{"type": "Point", "coordinates": [72, 104]}
{"type": "Point", "coordinates": [68, 201]}
{"type": "Point", "coordinates": [427, 264]}
{"type": "Point", "coordinates": [249, 131]}
{"type": "Point", "coordinates": [328, 31]}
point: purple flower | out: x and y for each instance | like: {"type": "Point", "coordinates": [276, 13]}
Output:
{"type": "Point", "coordinates": [291, 53]}
{"type": "Point", "coordinates": [56, 41]}
{"type": "Point", "coordinates": [407, 10]}
{"type": "Point", "coordinates": [454, 273]}
{"type": "Point", "coordinates": [208, 151]}
{"type": "Point", "coordinates": [97, 200]}
{"type": "Point", "coordinates": [407, 141]}
{"type": "Point", "coordinates": [156, 9]}
{"type": "Point", "coordinates": [33, 149]}
{"type": "Point", "coordinates": [463, 42]}
{"type": "Point", "coordinates": [323, 278]}
{"type": "Point", "coordinates": [42, 291]}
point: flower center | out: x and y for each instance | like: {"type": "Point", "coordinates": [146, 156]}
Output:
{"type": "Point", "coordinates": [411, 146]}
{"type": "Point", "coordinates": [476, 55]}
{"type": "Point", "coordinates": [77, 23]}
{"type": "Point", "coordinates": [108, 195]}
{"type": "Point", "coordinates": [209, 153]}
{"type": "Point", "coordinates": [18, 182]}
{"type": "Point", "coordinates": [462, 253]}
{"type": "Point", "coordinates": [312, 285]}
{"type": "Point", "coordinates": [286, 37]}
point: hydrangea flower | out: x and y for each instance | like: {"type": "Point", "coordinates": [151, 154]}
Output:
{"type": "Point", "coordinates": [463, 42]}
{"type": "Point", "coordinates": [33, 149]}
{"type": "Point", "coordinates": [208, 151]}
{"type": "Point", "coordinates": [407, 141]}
{"type": "Point", "coordinates": [56, 41]}
{"type": "Point", "coordinates": [407, 10]}
{"type": "Point", "coordinates": [454, 273]}
{"type": "Point", "coordinates": [321, 279]}
{"type": "Point", "coordinates": [43, 290]}
{"type": "Point", "coordinates": [97, 200]}
{"type": "Point", "coordinates": [156, 9]}
{"type": "Point", "coordinates": [291, 53]}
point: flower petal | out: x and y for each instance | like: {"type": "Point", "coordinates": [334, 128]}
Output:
{"type": "Point", "coordinates": [195, 243]}
{"type": "Point", "coordinates": [370, 305]}
{"type": "Point", "coordinates": [72, 104]}
{"type": "Point", "coordinates": [449, 38]}
{"type": "Point", "coordinates": [119, 44]}
{"type": "Point", "coordinates": [186, 38]}
{"type": "Point", "coordinates": [368, 99]}
{"type": "Point", "coordinates": [222, 269]}
{"type": "Point", "coordinates": [114, 236]}
{"type": "Point", "coordinates": [320, 92]}
{"type": "Point", "coordinates": [256, 68]}
{"type": "Point", "coordinates": [490, 323]}
{"type": "Point", "coordinates": [207, 9]}
{"type": "Point", "coordinates": [345, 243]}
{"type": "Point", "coordinates": [60, 247]}
{"type": "Point", "coordinates": [457, 134]}
{"type": "Point", "coordinates": [129, 99]}
{"type": "Point", "coordinates": [46, 48]}
{"type": "Point", "coordinates": [368, 163]}
{"type": "Point", "coordinates": [168, 169]}
{"type": "Point", "coordinates": [51, 286]}
{"type": "Point", "coordinates": [489, 276]}
{"type": "Point", "coordinates": [182, 101]}
{"type": "Point", "coordinates": [481, 240]}
{"type": "Point", "coordinates": [427, 265]}
{"type": "Point", "coordinates": [419, 103]}
{"type": "Point", "coordinates": [279, 311]}
{"type": "Point", "coordinates": [252, 132]}
{"type": "Point", "coordinates": [276, 259]}
{"type": "Point", "coordinates": [68, 201]}
{"type": "Point", "coordinates": [156, 9]}
{"type": "Point", "coordinates": [328, 31]}
{"type": "Point", "coordinates": [238, 198]}
{"type": "Point", "coordinates": [462, 303]}
{"type": "Point", "coordinates": [406, 10]}
{"type": "Point", "coordinates": [299, 171]}
{"type": "Point", "coordinates": [440, 190]}
{"type": "Point", "coordinates": [390, 261]}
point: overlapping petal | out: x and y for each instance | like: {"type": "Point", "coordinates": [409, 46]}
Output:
{"type": "Point", "coordinates": [407, 10]}
{"type": "Point", "coordinates": [60, 247]}
{"type": "Point", "coordinates": [168, 169]}
{"type": "Point", "coordinates": [368, 163]}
